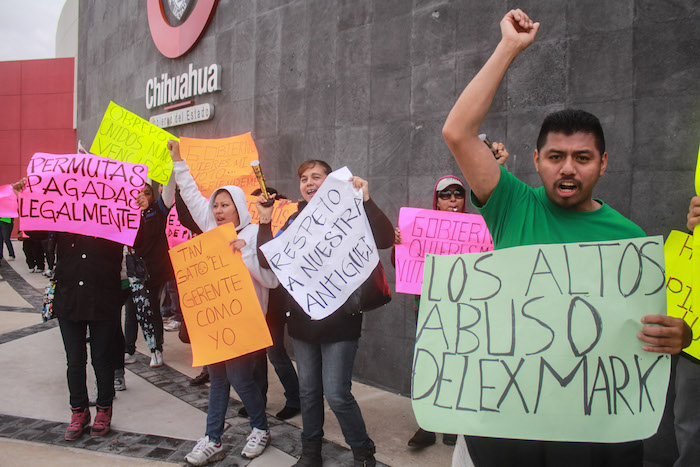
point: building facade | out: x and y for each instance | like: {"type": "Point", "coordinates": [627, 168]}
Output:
{"type": "Point", "coordinates": [368, 83]}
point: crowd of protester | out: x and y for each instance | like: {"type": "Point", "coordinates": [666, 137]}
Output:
{"type": "Point", "coordinates": [95, 278]}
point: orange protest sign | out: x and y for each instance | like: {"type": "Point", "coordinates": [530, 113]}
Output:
{"type": "Point", "coordinates": [218, 301]}
{"type": "Point", "coordinates": [218, 162]}
{"type": "Point", "coordinates": [279, 216]}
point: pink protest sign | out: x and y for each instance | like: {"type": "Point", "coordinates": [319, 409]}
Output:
{"type": "Point", "coordinates": [439, 233]}
{"type": "Point", "coordinates": [176, 232]}
{"type": "Point", "coordinates": [8, 201]}
{"type": "Point", "coordinates": [83, 194]}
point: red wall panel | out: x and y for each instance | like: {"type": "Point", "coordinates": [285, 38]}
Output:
{"type": "Point", "coordinates": [51, 141]}
{"type": "Point", "coordinates": [47, 111]}
{"type": "Point", "coordinates": [11, 112]}
{"type": "Point", "coordinates": [36, 98]}
{"type": "Point", "coordinates": [47, 76]}
{"type": "Point", "coordinates": [10, 78]}
{"type": "Point", "coordinates": [10, 144]}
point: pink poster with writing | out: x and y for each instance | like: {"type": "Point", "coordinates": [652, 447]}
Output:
{"type": "Point", "coordinates": [83, 194]}
{"type": "Point", "coordinates": [176, 232]}
{"type": "Point", "coordinates": [8, 201]}
{"type": "Point", "coordinates": [439, 233]}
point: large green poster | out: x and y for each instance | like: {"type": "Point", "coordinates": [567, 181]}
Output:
{"type": "Point", "coordinates": [540, 342]}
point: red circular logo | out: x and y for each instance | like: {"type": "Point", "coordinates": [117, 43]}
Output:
{"type": "Point", "coordinates": [176, 41]}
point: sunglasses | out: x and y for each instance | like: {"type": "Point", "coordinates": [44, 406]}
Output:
{"type": "Point", "coordinates": [447, 194]}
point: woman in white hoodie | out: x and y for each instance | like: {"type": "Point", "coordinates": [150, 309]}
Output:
{"type": "Point", "coordinates": [228, 204]}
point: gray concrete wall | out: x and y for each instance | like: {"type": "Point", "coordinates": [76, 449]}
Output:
{"type": "Point", "coordinates": [368, 84]}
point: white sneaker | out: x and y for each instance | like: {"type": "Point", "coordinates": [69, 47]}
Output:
{"type": "Point", "coordinates": [119, 383]}
{"type": "Point", "coordinates": [156, 359]}
{"type": "Point", "coordinates": [46, 273]}
{"type": "Point", "coordinates": [34, 269]}
{"type": "Point", "coordinates": [257, 442]}
{"type": "Point", "coordinates": [129, 358]}
{"type": "Point", "coordinates": [205, 451]}
{"type": "Point", "coordinates": [172, 325]}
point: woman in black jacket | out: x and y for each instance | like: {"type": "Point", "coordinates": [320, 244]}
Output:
{"type": "Point", "coordinates": [325, 349]}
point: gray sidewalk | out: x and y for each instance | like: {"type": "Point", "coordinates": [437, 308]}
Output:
{"type": "Point", "coordinates": [159, 417]}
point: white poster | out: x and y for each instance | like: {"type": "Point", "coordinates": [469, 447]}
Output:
{"type": "Point", "coordinates": [328, 251]}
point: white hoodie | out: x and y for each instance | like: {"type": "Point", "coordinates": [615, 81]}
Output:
{"type": "Point", "coordinates": [201, 210]}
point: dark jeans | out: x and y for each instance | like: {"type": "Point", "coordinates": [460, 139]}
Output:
{"type": "Point", "coordinates": [496, 452]}
{"type": "Point", "coordinates": [131, 326]}
{"type": "Point", "coordinates": [49, 246]}
{"type": "Point", "coordinates": [237, 372]}
{"type": "Point", "coordinates": [33, 253]}
{"type": "Point", "coordinates": [101, 341]}
{"type": "Point", "coordinates": [171, 302]}
{"type": "Point", "coordinates": [119, 342]}
{"type": "Point", "coordinates": [326, 369]}
{"type": "Point", "coordinates": [280, 360]}
{"type": "Point", "coordinates": [5, 233]}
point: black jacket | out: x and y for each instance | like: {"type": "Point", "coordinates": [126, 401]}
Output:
{"type": "Point", "coordinates": [341, 325]}
{"type": "Point", "coordinates": [88, 282]}
{"type": "Point", "coordinates": [151, 242]}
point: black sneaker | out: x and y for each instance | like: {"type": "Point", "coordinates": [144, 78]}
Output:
{"type": "Point", "coordinates": [449, 439]}
{"type": "Point", "coordinates": [200, 379]}
{"type": "Point", "coordinates": [287, 412]}
{"type": "Point", "coordinates": [422, 439]}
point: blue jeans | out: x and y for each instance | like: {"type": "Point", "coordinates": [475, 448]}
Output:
{"type": "Point", "coordinates": [171, 302]}
{"type": "Point", "coordinates": [279, 358]}
{"type": "Point", "coordinates": [237, 372]}
{"type": "Point", "coordinates": [326, 369]}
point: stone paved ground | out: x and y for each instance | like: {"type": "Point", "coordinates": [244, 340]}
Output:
{"type": "Point", "coordinates": [285, 436]}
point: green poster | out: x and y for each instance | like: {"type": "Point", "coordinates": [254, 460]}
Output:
{"type": "Point", "coordinates": [540, 342]}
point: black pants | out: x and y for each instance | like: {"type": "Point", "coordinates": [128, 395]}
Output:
{"type": "Point", "coordinates": [5, 232]}
{"type": "Point", "coordinates": [101, 353]}
{"type": "Point", "coordinates": [496, 452]}
{"type": "Point", "coordinates": [33, 253]}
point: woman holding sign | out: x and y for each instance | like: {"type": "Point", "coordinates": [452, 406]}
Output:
{"type": "Point", "coordinates": [228, 204]}
{"type": "Point", "coordinates": [449, 194]}
{"type": "Point", "coordinates": [325, 349]}
{"type": "Point", "coordinates": [87, 298]}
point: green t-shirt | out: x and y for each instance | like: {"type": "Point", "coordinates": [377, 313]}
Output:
{"type": "Point", "coordinates": [517, 214]}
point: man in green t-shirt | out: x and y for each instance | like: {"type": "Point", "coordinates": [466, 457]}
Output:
{"type": "Point", "coordinates": [570, 158]}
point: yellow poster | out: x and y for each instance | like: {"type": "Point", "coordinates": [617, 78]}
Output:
{"type": "Point", "coordinates": [678, 253]}
{"type": "Point", "coordinates": [218, 301]}
{"type": "Point", "coordinates": [125, 136]}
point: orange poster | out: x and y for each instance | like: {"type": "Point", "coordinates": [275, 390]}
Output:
{"type": "Point", "coordinates": [279, 216]}
{"type": "Point", "coordinates": [218, 162]}
{"type": "Point", "coordinates": [218, 301]}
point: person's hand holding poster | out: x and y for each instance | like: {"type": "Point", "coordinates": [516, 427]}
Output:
{"type": "Point", "coordinates": [218, 299]}
{"type": "Point", "coordinates": [279, 215]}
{"type": "Point", "coordinates": [540, 342]}
{"type": "Point", "coordinates": [214, 163]}
{"type": "Point", "coordinates": [125, 136]}
{"type": "Point", "coordinates": [425, 231]}
{"type": "Point", "coordinates": [678, 253]}
{"type": "Point", "coordinates": [83, 194]}
{"type": "Point", "coordinates": [328, 251]}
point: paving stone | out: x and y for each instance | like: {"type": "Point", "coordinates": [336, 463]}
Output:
{"type": "Point", "coordinates": [160, 453]}
{"type": "Point", "coordinates": [28, 434]}
{"type": "Point", "coordinates": [170, 443]}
